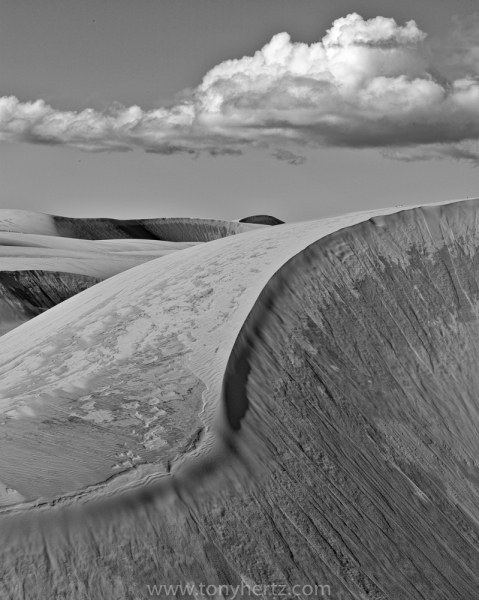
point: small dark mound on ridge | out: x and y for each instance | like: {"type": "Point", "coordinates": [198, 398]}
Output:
{"type": "Point", "coordinates": [262, 220]}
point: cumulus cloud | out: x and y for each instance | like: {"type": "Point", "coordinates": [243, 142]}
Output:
{"type": "Point", "coordinates": [366, 84]}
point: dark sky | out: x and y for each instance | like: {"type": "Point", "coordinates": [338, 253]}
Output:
{"type": "Point", "coordinates": [95, 54]}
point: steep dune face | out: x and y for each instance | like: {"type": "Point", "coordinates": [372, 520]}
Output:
{"type": "Point", "coordinates": [342, 460]}
{"type": "Point", "coordinates": [26, 294]}
{"type": "Point", "coordinates": [100, 229]}
{"type": "Point", "coordinates": [359, 375]}
{"type": "Point", "coordinates": [195, 230]}
{"type": "Point", "coordinates": [171, 230]}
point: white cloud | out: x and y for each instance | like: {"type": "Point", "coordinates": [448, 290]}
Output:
{"type": "Point", "coordinates": [366, 84]}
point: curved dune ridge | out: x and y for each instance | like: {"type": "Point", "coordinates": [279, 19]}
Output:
{"type": "Point", "coordinates": [296, 406]}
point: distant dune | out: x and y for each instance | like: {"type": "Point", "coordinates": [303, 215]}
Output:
{"type": "Point", "coordinates": [101, 258]}
{"type": "Point", "coordinates": [169, 229]}
{"type": "Point", "coordinates": [262, 220]}
{"type": "Point", "coordinates": [295, 407]}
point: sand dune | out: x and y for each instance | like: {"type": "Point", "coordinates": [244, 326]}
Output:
{"type": "Point", "coordinates": [262, 220]}
{"type": "Point", "coordinates": [100, 259]}
{"type": "Point", "coordinates": [126, 245]}
{"type": "Point", "coordinates": [294, 406]}
{"type": "Point", "coordinates": [168, 229]}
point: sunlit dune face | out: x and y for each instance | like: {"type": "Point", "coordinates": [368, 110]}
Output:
{"type": "Point", "coordinates": [89, 409]}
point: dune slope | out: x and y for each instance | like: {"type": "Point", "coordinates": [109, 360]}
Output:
{"type": "Point", "coordinates": [38, 271]}
{"type": "Point", "coordinates": [335, 445]}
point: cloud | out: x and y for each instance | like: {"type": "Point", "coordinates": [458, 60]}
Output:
{"type": "Point", "coordinates": [289, 157]}
{"type": "Point", "coordinates": [366, 84]}
{"type": "Point", "coordinates": [467, 150]}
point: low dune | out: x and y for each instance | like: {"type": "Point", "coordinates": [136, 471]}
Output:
{"type": "Point", "coordinates": [294, 408]}
{"type": "Point", "coordinates": [100, 259]}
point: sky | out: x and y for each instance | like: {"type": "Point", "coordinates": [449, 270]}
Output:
{"type": "Point", "coordinates": [226, 108]}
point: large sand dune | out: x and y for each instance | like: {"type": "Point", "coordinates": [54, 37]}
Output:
{"type": "Point", "coordinates": [295, 406]}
